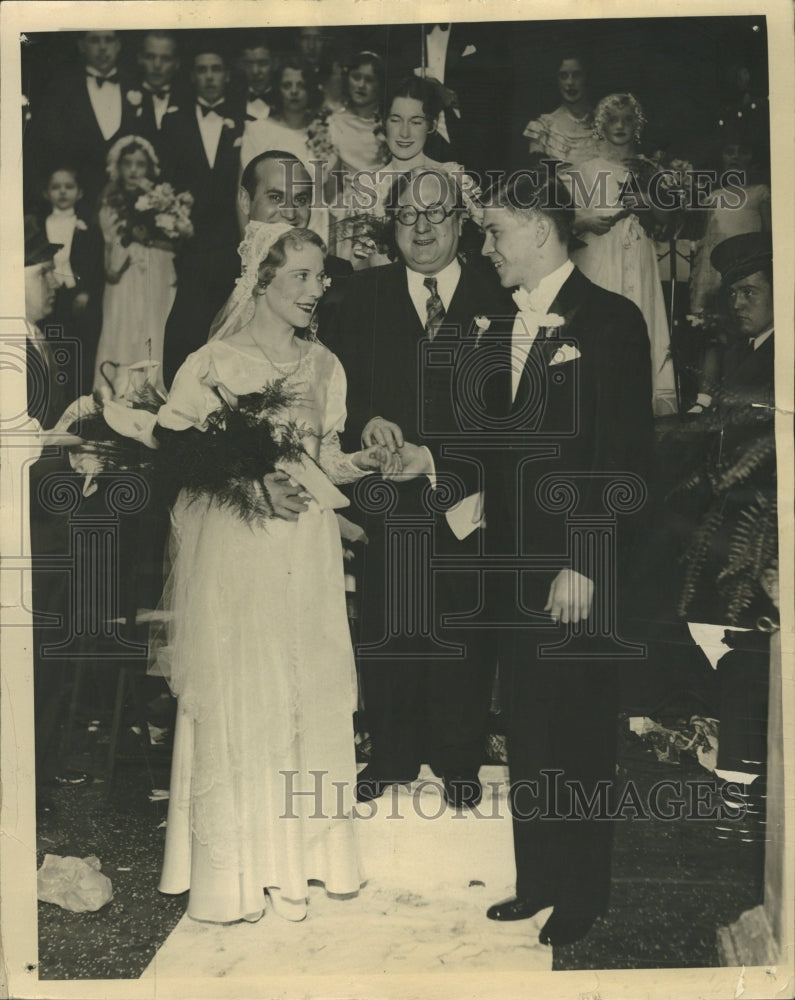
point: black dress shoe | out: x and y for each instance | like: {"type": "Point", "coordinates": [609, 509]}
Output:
{"type": "Point", "coordinates": [370, 785]}
{"type": "Point", "coordinates": [566, 927]}
{"type": "Point", "coordinates": [517, 909]}
{"type": "Point", "coordinates": [461, 790]}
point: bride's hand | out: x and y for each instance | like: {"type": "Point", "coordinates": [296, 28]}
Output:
{"type": "Point", "coordinates": [415, 461]}
{"type": "Point", "coordinates": [378, 459]}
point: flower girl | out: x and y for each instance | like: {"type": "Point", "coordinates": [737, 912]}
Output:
{"type": "Point", "coordinates": [141, 225]}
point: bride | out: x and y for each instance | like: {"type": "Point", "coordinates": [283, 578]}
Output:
{"type": "Point", "coordinates": [258, 650]}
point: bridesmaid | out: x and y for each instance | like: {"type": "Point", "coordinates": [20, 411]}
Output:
{"type": "Point", "coordinates": [567, 132]}
{"type": "Point", "coordinates": [618, 254]}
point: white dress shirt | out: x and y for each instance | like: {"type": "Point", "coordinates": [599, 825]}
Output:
{"type": "Point", "coordinates": [258, 108]}
{"type": "Point", "coordinates": [525, 329]}
{"type": "Point", "coordinates": [60, 228]}
{"type": "Point", "coordinates": [159, 106]}
{"type": "Point", "coordinates": [436, 42]}
{"type": "Point", "coordinates": [760, 338]}
{"type": "Point", "coordinates": [446, 284]}
{"type": "Point", "coordinates": [106, 102]}
{"type": "Point", "coordinates": [210, 127]}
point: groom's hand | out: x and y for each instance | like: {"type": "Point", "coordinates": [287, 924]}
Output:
{"type": "Point", "coordinates": [570, 597]}
{"type": "Point", "coordinates": [415, 461]}
{"type": "Point", "coordinates": [383, 432]}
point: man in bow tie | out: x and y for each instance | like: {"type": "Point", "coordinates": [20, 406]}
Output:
{"type": "Point", "coordinates": [426, 701]}
{"type": "Point", "coordinates": [83, 116]}
{"type": "Point", "coordinates": [566, 385]}
{"type": "Point", "coordinates": [158, 60]}
{"type": "Point", "coordinates": [256, 62]}
{"type": "Point", "coordinates": [201, 154]}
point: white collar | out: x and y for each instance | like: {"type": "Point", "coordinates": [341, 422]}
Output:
{"type": "Point", "coordinates": [760, 338]}
{"type": "Point", "coordinates": [446, 283]}
{"type": "Point", "coordinates": [90, 71]}
{"type": "Point", "coordinates": [546, 291]}
{"type": "Point", "coordinates": [62, 213]}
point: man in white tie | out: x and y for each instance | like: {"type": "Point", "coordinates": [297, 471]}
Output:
{"type": "Point", "coordinates": [158, 61]}
{"type": "Point", "coordinates": [201, 153]}
{"type": "Point", "coordinates": [84, 115]}
{"type": "Point", "coordinates": [256, 62]}
{"type": "Point", "coordinates": [566, 385]}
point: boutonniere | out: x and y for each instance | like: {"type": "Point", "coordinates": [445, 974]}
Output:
{"type": "Point", "coordinates": [551, 321]}
{"type": "Point", "coordinates": [238, 141]}
{"type": "Point", "coordinates": [135, 97]}
{"type": "Point", "coordinates": [482, 323]}
{"type": "Point", "coordinates": [326, 283]}
{"type": "Point", "coordinates": [79, 224]}
{"type": "Point", "coordinates": [470, 50]}
{"type": "Point", "coordinates": [228, 123]}
{"type": "Point", "coordinates": [171, 109]}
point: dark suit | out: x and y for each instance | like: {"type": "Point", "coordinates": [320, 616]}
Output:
{"type": "Point", "coordinates": [481, 137]}
{"type": "Point", "coordinates": [66, 131]}
{"type": "Point", "coordinates": [146, 120]}
{"type": "Point", "coordinates": [419, 707]}
{"type": "Point", "coordinates": [87, 260]}
{"type": "Point", "coordinates": [209, 264]}
{"type": "Point", "coordinates": [583, 422]}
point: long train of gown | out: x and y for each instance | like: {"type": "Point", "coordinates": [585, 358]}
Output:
{"type": "Point", "coordinates": [624, 260]}
{"type": "Point", "coordinates": [260, 657]}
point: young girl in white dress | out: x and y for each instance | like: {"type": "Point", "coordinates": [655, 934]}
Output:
{"type": "Point", "coordinates": [618, 254]}
{"type": "Point", "coordinates": [140, 281]}
{"type": "Point", "coordinates": [258, 649]}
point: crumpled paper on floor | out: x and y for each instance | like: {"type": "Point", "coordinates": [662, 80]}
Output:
{"type": "Point", "coordinates": [76, 884]}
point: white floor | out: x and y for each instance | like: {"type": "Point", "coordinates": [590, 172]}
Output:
{"type": "Point", "coordinates": [433, 871]}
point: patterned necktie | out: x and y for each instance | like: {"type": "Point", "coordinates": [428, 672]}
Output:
{"type": "Point", "coordinates": [434, 309]}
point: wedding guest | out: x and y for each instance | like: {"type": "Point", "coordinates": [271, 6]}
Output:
{"type": "Point", "coordinates": [331, 75]}
{"type": "Point", "coordinates": [295, 101]}
{"type": "Point", "coordinates": [311, 43]}
{"type": "Point", "coordinates": [201, 154]}
{"type": "Point", "coordinates": [567, 132]}
{"type": "Point", "coordinates": [140, 281]}
{"type": "Point", "coordinates": [158, 61]}
{"type": "Point", "coordinates": [743, 209]}
{"type": "Point", "coordinates": [84, 114]}
{"type": "Point", "coordinates": [351, 141]}
{"type": "Point", "coordinates": [584, 352]}
{"type": "Point", "coordinates": [618, 254]}
{"type": "Point", "coordinates": [420, 709]}
{"type": "Point", "coordinates": [79, 271]}
{"type": "Point", "coordinates": [472, 63]}
{"type": "Point", "coordinates": [256, 63]}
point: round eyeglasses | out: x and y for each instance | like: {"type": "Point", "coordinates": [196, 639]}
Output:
{"type": "Point", "coordinates": [407, 215]}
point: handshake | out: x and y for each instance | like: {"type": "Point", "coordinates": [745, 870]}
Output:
{"type": "Point", "coordinates": [386, 452]}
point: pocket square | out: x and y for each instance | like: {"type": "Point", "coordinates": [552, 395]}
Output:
{"type": "Point", "coordinates": [470, 50]}
{"type": "Point", "coordinates": [566, 352]}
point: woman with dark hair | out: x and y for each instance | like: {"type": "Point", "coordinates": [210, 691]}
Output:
{"type": "Point", "coordinates": [295, 102]}
{"type": "Point", "coordinates": [567, 132]}
{"type": "Point", "coordinates": [256, 647]}
{"type": "Point", "coordinates": [412, 115]}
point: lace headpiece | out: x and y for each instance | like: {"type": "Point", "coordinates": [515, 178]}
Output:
{"type": "Point", "coordinates": [114, 154]}
{"type": "Point", "coordinates": [238, 309]}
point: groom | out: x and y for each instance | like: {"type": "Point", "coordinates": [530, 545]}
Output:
{"type": "Point", "coordinates": [567, 389]}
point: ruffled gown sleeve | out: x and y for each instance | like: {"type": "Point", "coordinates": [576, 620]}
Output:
{"type": "Point", "coordinates": [338, 466]}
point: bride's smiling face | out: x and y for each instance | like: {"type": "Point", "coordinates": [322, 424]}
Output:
{"type": "Point", "coordinates": [294, 290]}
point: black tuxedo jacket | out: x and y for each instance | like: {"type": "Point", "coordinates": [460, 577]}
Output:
{"type": "Point", "coordinates": [146, 123]}
{"type": "Point", "coordinates": [87, 259]}
{"type": "Point", "coordinates": [477, 66]}
{"type": "Point", "coordinates": [581, 419]}
{"type": "Point", "coordinates": [65, 130]}
{"type": "Point", "coordinates": [393, 371]}
{"type": "Point", "coordinates": [214, 188]}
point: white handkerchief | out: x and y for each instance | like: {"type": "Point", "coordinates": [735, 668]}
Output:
{"type": "Point", "coordinates": [566, 352]}
{"type": "Point", "coordinates": [470, 50]}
